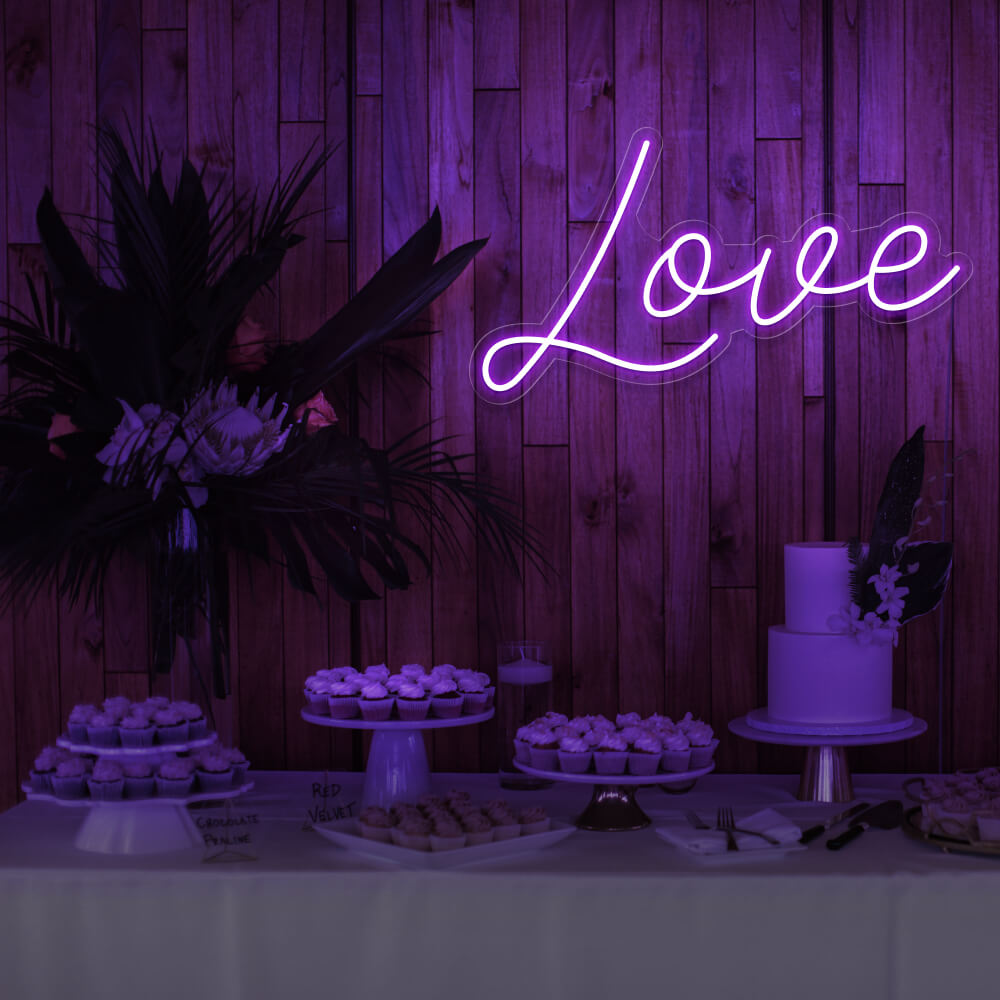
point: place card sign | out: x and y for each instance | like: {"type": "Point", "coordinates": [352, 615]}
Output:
{"type": "Point", "coordinates": [896, 271]}
{"type": "Point", "coordinates": [326, 804]}
{"type": "Point", "coordinates": [228, 837]}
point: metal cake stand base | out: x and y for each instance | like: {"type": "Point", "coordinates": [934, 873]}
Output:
{"type": "Point", "coordinates": [826, 775]}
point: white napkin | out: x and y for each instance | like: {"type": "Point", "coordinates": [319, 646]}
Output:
{"type": "Point", "coordinates": [683, 835]}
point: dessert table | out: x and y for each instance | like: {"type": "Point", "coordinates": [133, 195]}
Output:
{"type": "Point", "coordinates": [596, 915]}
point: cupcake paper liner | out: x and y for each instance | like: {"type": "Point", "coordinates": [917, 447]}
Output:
{"type": "Point", "coordinates": [544, 759]}
{"type": "Point", "coordinates": [702, 756]}
{"type": "Point", "coordinates": [413, 709]}
{"type": "Point", "coordinates": [642, 765]}
{"type": "Point", "coordinates": [174, 788]}
{"type": "Point", "coordinates": [198, 729]}
{"type": "Point", "coordinates": [215, 781]}
{"type": "Point", "coordinates": [102, 736]}
{"type": "Point", "coordinates": [507, 831]}
{"type": "Point", "coordinates": [446, 708]}
{"type": "Point", "coordinates": [106, 791]}
{"type": "Point", "coordinates": [343, 708]}
{"type": "Point", "coordinates": [383, 834]}
{"type": "Point", "coordinates": [574, 763]}
{"type": "Point", "coordinates": [69, 788]}
{"type": "Point", "coordinates": [172, 734]}
{"type": "Point", "coordinates": [319, 704]}
{"type": "Point", "coordinates": [610, 761]}
{"type": "Point", "coordinates": [675, 760]}
{"type": "Point", "coordinates": [139, 788]}
{"type": "Point", "coordinates": [376, 709]}
{"type": "Point", "coordinates": [137, 737]}
{"type": "Point", "coordinates": [474, 703]}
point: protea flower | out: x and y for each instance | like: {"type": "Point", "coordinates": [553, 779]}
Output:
{"type": "Point", "coordinates": [230, 438]}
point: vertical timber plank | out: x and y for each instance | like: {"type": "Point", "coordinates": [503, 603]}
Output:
{"type": "Point", "coordinates": [300, 61]}
{"type": "Point", "coordinates": [499, 459]}
{"type": "Point", "coordinates": [543, 195]}
{"type": "Point", "coordinates": [731, 212]}
{"type": "Point", "coordinates": [881, 100]}
{"type": "Point", "coordinates": [976, 222]}
{"type": "Point", "coordinates": [778, 90]}
{"type": "Point", "coordinates": [639, 410]}
{"type": "Point", "coordinates": [337, 105]}
{"type": "Point", "coordinates": [591, 108]}
{"type": "Point", "coordinates": [496, 45]}
{"type": "Point", "coordinates": [164, 97]}
{"type": "Point", "coordinates": [453, 402]}
{"type": "Point", "coordinates": [593, 517]}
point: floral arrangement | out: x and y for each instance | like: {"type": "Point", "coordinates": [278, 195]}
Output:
{"type": "Point", "coordinates": [149, 413]}
{"type": "Point", "coordinates": [895, 578]}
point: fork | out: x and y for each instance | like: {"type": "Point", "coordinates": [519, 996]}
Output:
{"type": "Point", "coordinates": [724, 821]}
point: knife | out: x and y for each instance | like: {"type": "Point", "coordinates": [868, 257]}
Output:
{"type": "Point", "coordinates": [816, 831]}
{"type": "Point", "coordinates": [884, 816]}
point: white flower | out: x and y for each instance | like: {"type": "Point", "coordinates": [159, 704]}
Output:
{"type": "Point", "coordinates": [892, 601]}
{"type": "Point", "coordinates": [845, 620]}
{"type": "Point", "coordinates": [884, 579]}
{"type": "Point", "coordinates": [230, 438]}
{"type": "Point", "coordinates": [147, 445]}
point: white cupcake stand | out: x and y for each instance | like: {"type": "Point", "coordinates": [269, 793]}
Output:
{"type": "Point", "coordinates": [397, 769]}
{"type": "Point", "coordinates": [826, 775]}
{"type": "Point", "coordinates": [153, 825]}
{"type": "Point", "coordinates": [612, 807]}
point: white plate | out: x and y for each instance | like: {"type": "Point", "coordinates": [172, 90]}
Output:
{"type": "Point", "coordinates": [347, 833]}
{"type": "Point", "coordinates": [396, 725]}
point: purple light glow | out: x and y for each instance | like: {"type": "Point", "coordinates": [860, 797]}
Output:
{"type": "Point", "coordinates": [643, 164]}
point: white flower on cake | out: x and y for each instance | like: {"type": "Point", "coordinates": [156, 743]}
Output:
{"type": "Point", "coordinates": [885, 579]}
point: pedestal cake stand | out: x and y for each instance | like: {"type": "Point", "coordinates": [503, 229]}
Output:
{"type": "Point", "coordinates": [826, 776]}
{"type": "Point", "coordinates": [138, 826]}
{"type": "Point", "coordinates": [397, 768]}
{"type": "Point", "coordinates": [612, 807]}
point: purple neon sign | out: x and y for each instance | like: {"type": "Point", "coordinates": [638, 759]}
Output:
{"type": "Point", "coordinates": [901, 277]}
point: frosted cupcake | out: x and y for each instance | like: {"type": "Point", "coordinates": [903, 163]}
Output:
{"type": "Point", "coordinates": [412, 671]}
{"type": "Point", "coordinates": [139, 782]}
{"type": "Point", "coordinates": [574, 755]}
{"type": "Point", "coordinates": [195, 718]}
{"type": "Point", "coordinates": [393, 683]}
{"type": "Point", "coordinates": [240, 764]}
{"type": "Point", "coordinates": [106, 782]}
{"type": "Point", "coordinates": [701, 738]}
{"type": "Point", "coordinates": [317, 692]}
{"type": "Point", "coordinates": [175, 779]}
{"type": "Point", "coordinates": [623, 720]}
{"type": "Point", "coordinates": [136, 731]}
{"type": "Point", "coordinates": [45, 767]}
{"type": "Point", "coordinates": [478, 829]}
{"type": "Point", "coordinates": [343, 700]}
{"type": "Point", "coordinates": [412, 701]}
{"type": "Point", "coordinates": [445, 670]}
{"type": "Point", "coordinates": [171, 726]}
{"type": "Point", "coordinates": [534, 820]}
{"type": "Point", "coordinates": [676, 754]}
{"type": "Point", "coordinates": [102, 730]}
{"type": "Point", "coordinates": [215, 773]}
{"type": "Point", "coordinates": [522, 748]}
{"type": "Point", "coordinates": [375, 702]}
{"type": "Point", "coordinates": [447, 835]}
{"type": "Point", "coordinates": [377, 672]}
{"type": "Point", "coordinates": [341, 674]}
{"type": "Point", "coordinates": [79, 719]}
{"type": "Point", "coordinates": [69, 781]}
{"type": "Point", "coordinates": [474, 693]}
{"type": "Point", "coordinates": [412, 831]}
{"type": "Point", "coordinates": [644, 757]}
{"type": "Point", "coordinates": [446, 699]}
{"type": "Point", "coordinates": [543, 749]}
{"type": "Point", "coordinates": [117, 707]}
{"type": "Point", "coordinates": [376, 824]}
{"type": "Point", "coordinates": [611, 754]}
{"type": "Point", "coordinates": [505, 825]}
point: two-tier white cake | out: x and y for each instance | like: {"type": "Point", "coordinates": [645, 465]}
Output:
{"type": "Point", "coordinates": [815, 676]}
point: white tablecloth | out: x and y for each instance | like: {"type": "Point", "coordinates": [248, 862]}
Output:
{"type": "Point", "coordinates": [598, 915]}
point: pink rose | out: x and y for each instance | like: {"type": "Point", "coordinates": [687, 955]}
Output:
{"type": "Point", "coordinates": [318, 413]}
{"type": "Point", "coordinates": [62, 425]}
{"type": "Point", "coordinates": [250, 348]}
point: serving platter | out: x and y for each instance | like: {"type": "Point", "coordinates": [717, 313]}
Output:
{"type": "Point", "coordinates": [346, 833]}
{"type": "Point", "coordinates": [914, 826]}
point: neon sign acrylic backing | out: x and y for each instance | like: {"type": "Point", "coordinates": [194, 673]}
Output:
{"type": "Point", "coordinates": [896, 271]}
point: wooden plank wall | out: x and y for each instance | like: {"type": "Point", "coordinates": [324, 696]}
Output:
{"type": "Point", "coordinates": [663, 510]}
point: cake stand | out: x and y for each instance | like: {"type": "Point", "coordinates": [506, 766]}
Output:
{"type": "Point", "coordinates": [397, 768]}
{"type": "Point", "coordinates": [826, 776]}
{"type": "Point", "coordinates": [612, 807]}
{"type": "Point", "coordinates": [138, 826]}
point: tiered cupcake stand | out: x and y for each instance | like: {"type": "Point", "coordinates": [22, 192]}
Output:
{"type": "Point", "coordinates": [612, 806]}
{"type": "Point", "coordinates": [826, 775]}
{"type": "Point", "coordinates": [397, 769]}
{"type": "Point", "coordinates": [152, 825]}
